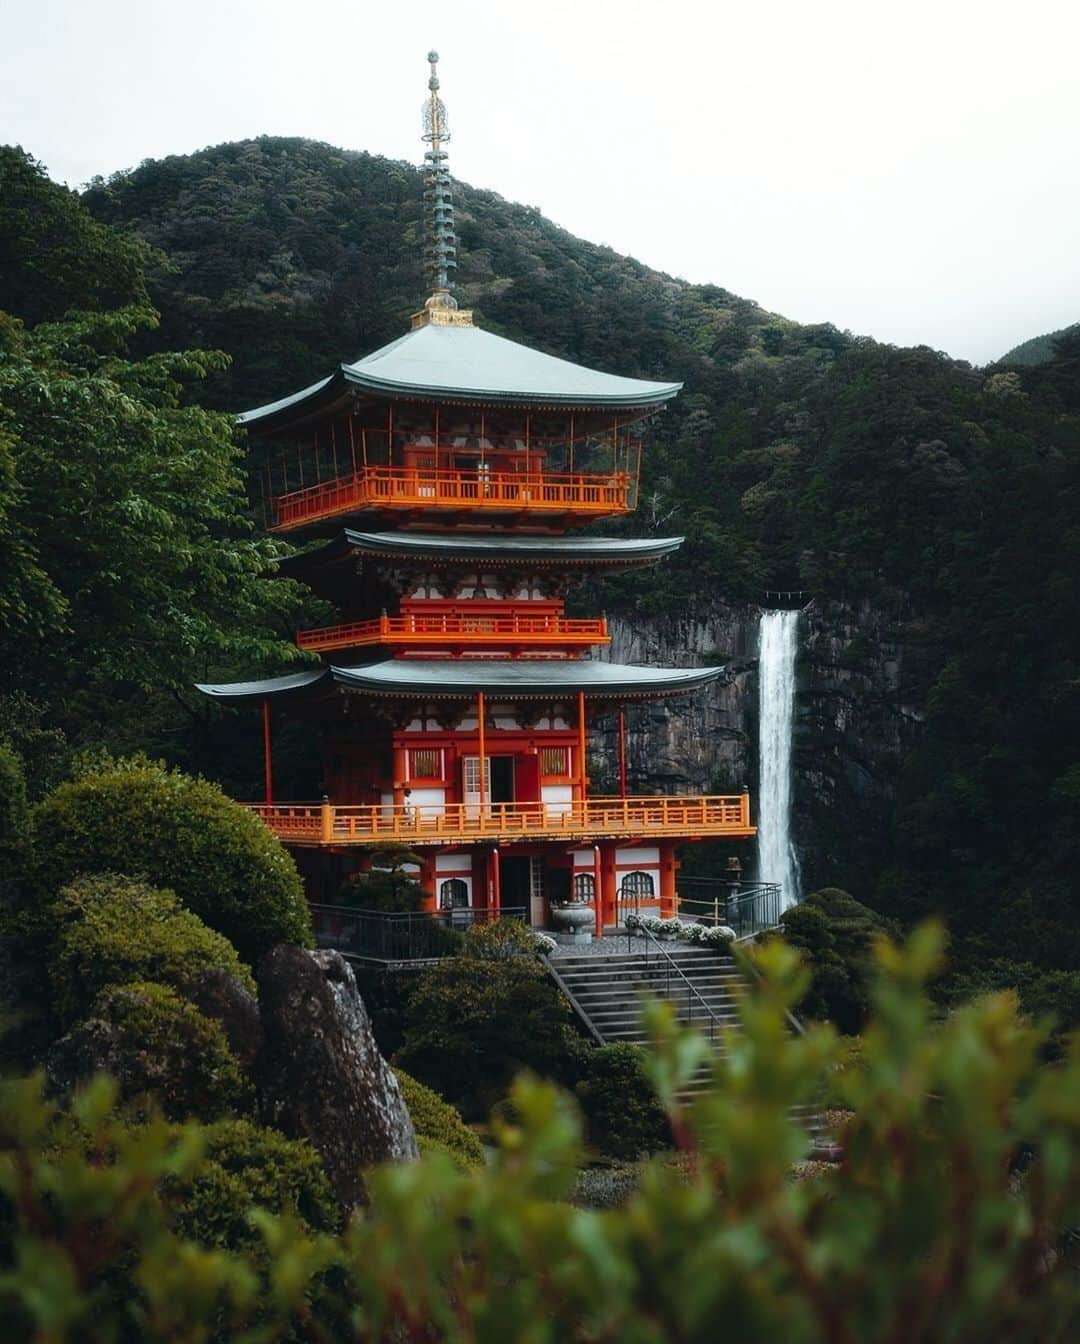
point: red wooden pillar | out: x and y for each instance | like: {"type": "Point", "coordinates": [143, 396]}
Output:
{"type": "Point", "coordinates": [480, 747]}
{"type": "Point", "coordinates": [398, 782]}
{"type": "Point", "coordinates": [495, 894]}
{"type": "Point", "coordinates": [583, 779]}
{"type": "Point", "coordinates": [622, 754]}
{"type": "Point", "coordinates": [428, 882]}
{"type": "Point", "coordinates": [268, 774]}
{"type": "Point", "coordinates": [668, 900]}
{"type": "Point", "coordinates": [598, 902]}
{"type": "Point", "coordinates": [607, 884]}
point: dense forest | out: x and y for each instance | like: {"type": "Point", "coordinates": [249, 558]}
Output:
{"type": "Point", "coordinates": [944, 496]}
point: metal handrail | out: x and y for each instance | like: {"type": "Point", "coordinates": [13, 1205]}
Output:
{"type": "Point", "coordinates": [672, 964]}
{"type": "Point", "coordinates": [393, 936]}
{"type": "Point", "coordinates": [574, 1003]}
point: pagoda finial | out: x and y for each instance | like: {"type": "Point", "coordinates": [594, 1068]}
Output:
{"type": "Point", "coordinates": [441, 250]}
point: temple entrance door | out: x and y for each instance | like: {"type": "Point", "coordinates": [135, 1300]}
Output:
{"type": "Point", "coordinates": [515, 883]}
{"type": "Point", "coordinates": [500, 781]}
{"type": "Point", "coordinates": [527, 779]}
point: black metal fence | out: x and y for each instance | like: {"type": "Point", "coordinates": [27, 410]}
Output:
{"type": "Point", "coordinates": [746, 909]}
{"type": "Point", "coordinates": [392, 936]}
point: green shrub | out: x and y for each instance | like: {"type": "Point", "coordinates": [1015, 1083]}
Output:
{"type": "Point", "coordinates": [154, 1044]}
{"type": "Point", "coordinates": [473, 1022]}
{"type": "Point", "coordinates": [14, 825]}
{"type": "Point", "coordinates": [245, 1165]}
{"type": "Point", "coordinates": [500, 940]}
{"type": "Point", "coordinates": [927, 1231]}
{"type": "Point", "coordinates": [623, 1116]}
{"type": "Point", "coordinates": [438, 1125]}
{"type": "Point", "coordinates": [111, 930]}
{"type": "Point", "coordinates": [835, 933]}
{"type": "Point", "coordinates": [139, 818]}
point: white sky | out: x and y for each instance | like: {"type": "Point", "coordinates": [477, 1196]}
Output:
{"type": "Point", "coordinates": [906, 170]}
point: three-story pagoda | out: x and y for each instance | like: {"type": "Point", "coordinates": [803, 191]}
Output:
{"type": "Point", "coordinates": [436, 483]}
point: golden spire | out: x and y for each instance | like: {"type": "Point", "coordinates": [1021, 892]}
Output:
{"type": "Point", "coordinates": [441, 245]}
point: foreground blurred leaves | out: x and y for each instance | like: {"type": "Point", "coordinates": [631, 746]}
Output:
{"type": "Point", "coordinates": [947, 1220]}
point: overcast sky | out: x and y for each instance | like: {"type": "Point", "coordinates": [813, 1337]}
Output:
{"type": "Point", "coordinates": [909, 171]}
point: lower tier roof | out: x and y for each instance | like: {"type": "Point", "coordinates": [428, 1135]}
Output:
{"type": "Point", "coordinates": [495, 549]}
{"type": "Point", "coordinates": [462, 678]}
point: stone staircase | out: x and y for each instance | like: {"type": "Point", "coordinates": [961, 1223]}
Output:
{"type": "Point", "coordinates": [607, 993]}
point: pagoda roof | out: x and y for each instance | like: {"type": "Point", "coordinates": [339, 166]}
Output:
{"type": "Point", "coordinates": [496, 549]}
{"type": "Point", "coordinates": [461, 678]}
{"type": "Point", "coordinates": [468, 365]}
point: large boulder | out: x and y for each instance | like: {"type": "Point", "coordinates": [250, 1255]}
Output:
{"type": "Point", "coordinates": [323, 1077]}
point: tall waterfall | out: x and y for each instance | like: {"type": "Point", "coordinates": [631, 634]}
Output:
{"type": "Point", "coordinates": [776, 857]}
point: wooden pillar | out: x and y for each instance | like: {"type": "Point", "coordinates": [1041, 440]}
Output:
{"type": "Point", "coordinates": [398, 782]}
{"type": "Point", "coordinates": [622, 754]}
{"type": "Point", "coordinates": [480, 746]}
{"type": "Point", "coordinates": [583, 779]}
{"type": "Point", "coordinates": [668, 899]}
{"type": "Point", "coordinates": [598, 903]}
{"type": "Point", "coordinates": [429, 881]}
{"type": "Point", "coordinates": [268, 774]}
{"type": "Point", "coordinates": [607, 884]}
{"type": "Point", "coordinates": [494, 887]}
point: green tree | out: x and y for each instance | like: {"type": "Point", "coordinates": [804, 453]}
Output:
{"type": "Point", "coordinates": [161, 1051]}
{"type": "Point", "coordinates": [138, 818]}
{"type": "Point", "coordinates": [109, 930]}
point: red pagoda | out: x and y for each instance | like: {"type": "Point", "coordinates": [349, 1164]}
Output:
{"type": "Point", "coordinates": [436, 482]}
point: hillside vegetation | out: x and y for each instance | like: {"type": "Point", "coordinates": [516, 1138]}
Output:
{"type": "Point", "coordinates": [1037, 350]}
{"type": "Point", "coordinates": [945, 498]}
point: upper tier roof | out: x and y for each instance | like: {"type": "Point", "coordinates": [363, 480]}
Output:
{"type": "Point", "coordinates": [490, 549]}
{"type": "Point", "coordinates": [466, 364]}
{"type": "Point", "coordinates": [461, 678]}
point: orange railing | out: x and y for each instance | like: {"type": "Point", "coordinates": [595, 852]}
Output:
{"type": "Point", "coordinates": [450, 823]}
{"type": "Point", "coordinates": [424, 628]}
{"type": "Point", "coordinates": [424, 488]}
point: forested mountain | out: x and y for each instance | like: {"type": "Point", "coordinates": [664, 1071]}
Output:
{"type": "Point", "coordinates": [898, 482]}
{"type": "Point", "coordinates": [1038, 349]}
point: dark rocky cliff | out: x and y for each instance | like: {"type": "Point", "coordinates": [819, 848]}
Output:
{"type": "Point", "coordinates": [853, 721]}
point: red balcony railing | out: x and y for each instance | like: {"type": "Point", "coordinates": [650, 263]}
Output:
{"type": "Point", "coordinates": [450, 823]}
{"type": "Point", "coordinates": [415, 488]}
{"type": "Point", "coordinates": [422, 629]}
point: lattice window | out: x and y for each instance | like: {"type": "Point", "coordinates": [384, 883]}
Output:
{"type": "Point", "coordinates": [471, 773]}
{"type": "Point", "coordinates": [554, 761]}
{"type": "Point", "coordinates": [636, 887]}
{"type": "Point", "coordinates": [426, 763]}
{"type": "Point", "coordinates": [584, 887]}
{"type": "Point", "coordinates": [453, 894]}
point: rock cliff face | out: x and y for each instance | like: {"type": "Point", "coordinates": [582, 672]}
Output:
{"type": "Point", "coordinates": [854, 717]}
{"type": "Point", "coordinates": [323, 1076]}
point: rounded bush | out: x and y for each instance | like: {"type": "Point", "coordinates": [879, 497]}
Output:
{"type": "Point", "coordinates": [246, 1166]}
{"type": "Point", "coordinates": [155, 1044]}
{"type": "Point", "coordinates": [437, 1124]}
{"type": "Point", "coordinates": [473, 1023]}
{"type": "Point", "coordinates": [623, 1115]}
{"type": "Point", "coordinates": [139, 818]}
{"type": "Point", "coordinates": [112, 930]}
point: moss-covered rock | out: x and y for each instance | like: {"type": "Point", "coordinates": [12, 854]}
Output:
{"type": "Point", "coordinates": [139, 818]}
{"type": "Point", "coordinates": [438, 1126]}
{"type": "Point", "coordinates": [158, 1046]}
{"type": "Point", "coordinates": [111, 930]}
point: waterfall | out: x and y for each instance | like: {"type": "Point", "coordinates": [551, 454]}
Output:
{"type": "Point", "coordinates": [776, 857]}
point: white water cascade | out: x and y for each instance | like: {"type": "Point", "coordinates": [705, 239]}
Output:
{"type": "Point", "coordinates": [776, 859]}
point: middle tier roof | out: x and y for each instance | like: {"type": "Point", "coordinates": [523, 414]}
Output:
{"type": "Point", "coordinates": [461, 678]}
